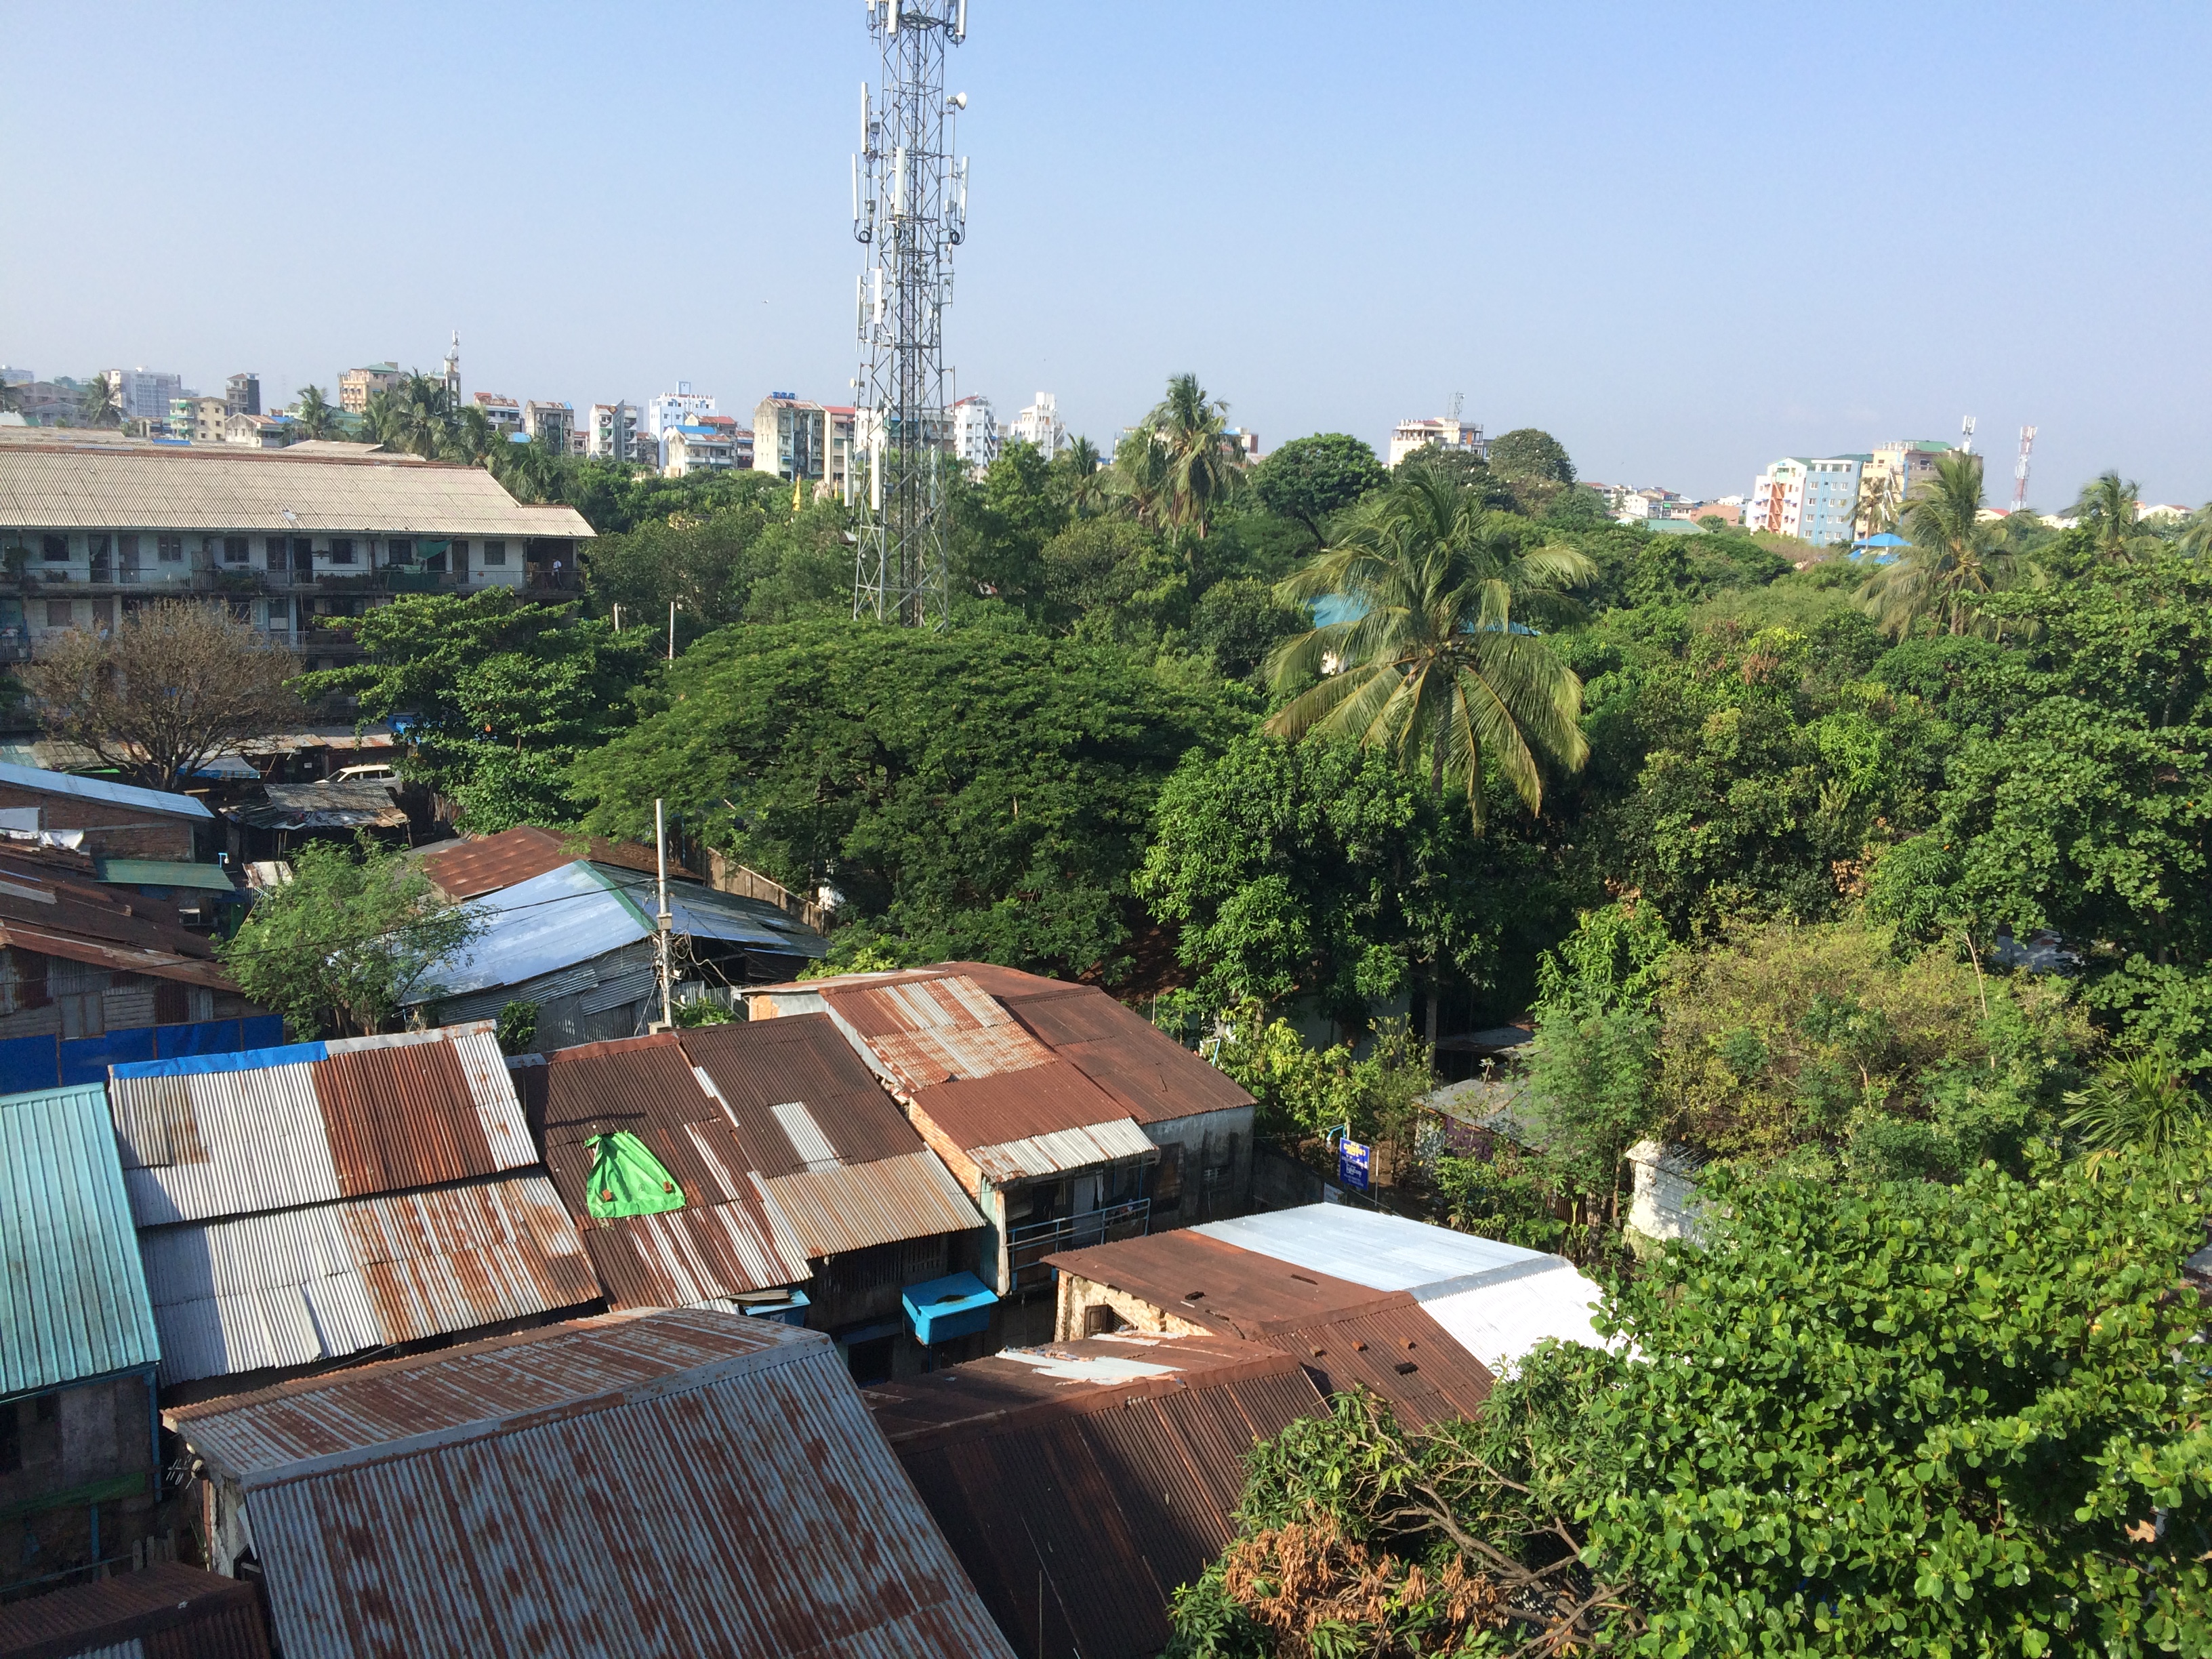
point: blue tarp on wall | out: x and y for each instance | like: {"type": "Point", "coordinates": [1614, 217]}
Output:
{"type": "Point", "coordinates": [47, 1062]}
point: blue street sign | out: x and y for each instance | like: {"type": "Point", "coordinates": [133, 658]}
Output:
{"type": "Point", "coordinates": [1351, 1163]}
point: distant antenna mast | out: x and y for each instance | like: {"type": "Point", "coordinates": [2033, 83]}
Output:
{"type": "Point", "coordinates": [1966, 436]}
{"type": "Point", "coordinates": [1458, 403]}
{"type": "Point", "coordinates": [910, 212]}
{"type": "Point", "coordinates": [2019, 470]}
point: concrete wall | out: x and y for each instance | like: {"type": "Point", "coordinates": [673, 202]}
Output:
{"type": "Point", "coordinates": [1215, 1143]}
{"type": "Point", "coordinates": [1078, 1296]}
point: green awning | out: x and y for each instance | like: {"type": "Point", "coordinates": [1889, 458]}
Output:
{"type": "Point", "coordinates": [629, 1180]}
{"type": "Point", "coordinates": [157, 873]}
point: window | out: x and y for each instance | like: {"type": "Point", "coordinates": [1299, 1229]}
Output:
{"type": "Point", "coordinates": [494, 553]}
{"type": "Point", "coordinates": [341, 549]}
{"type": "Point", "coordinates": [399, 551]}
{"type": "Point", "coordinates": [127, 547]}
{"type": "Point", "coordinates": [273, 550]}
{"type": "Point", "coordinates": [172, 549]}
{"type": "Point", "coordinates": [234, 550]}
{"type": "Point", "coordinates": [53, 549]}
{"type": "Point", "coordinates": [241, 610]}
{"type": "Point", "coordinates": [58, 613]}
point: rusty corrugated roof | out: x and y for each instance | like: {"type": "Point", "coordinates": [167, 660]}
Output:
{"type": "Point", "coordinates": [1214, 1284]}
{"type": "Point", "coordinates": [1077, 1515]}
{"type": "Point", "coordinates": [464, 869]}
{"type": "Point", "coordinates": [994, 1111]}
{"type": "Point", "coordinates": [1344, 1333]}
{"type": "Point", "coordinates": [164, 1610]}
{"type": "Point", "coordinates": [327, 1281]}
{"type": "Point", "coordinates": [1151, 1075]}
{"type": "Point", "coordinates": [854, 1207]}
{"type": "Point", "coordinates": [935, 1031]}
{"type": "Point", "coordinates": [669, 1485]}
{"type": "Point", "coordinates": [758, 1065]}
{"type": "Point", "coordinates": [317, 1121]}
{"type": "Point", "coordinates": [50, 906]}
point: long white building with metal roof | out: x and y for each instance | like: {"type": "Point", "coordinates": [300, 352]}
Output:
{"type": "Point", "coordinates": [91, 526]}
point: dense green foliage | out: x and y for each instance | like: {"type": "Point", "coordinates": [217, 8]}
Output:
{"type": "Point", "coordinates": [978, 793]}
{"type": "Point", "coordinates": [339, 948]}
{"type": "Point", "coordinates": [1918, 1420]}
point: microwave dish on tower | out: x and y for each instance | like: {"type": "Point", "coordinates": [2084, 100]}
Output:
{"type": "Point", "coordinates": [909, 212]}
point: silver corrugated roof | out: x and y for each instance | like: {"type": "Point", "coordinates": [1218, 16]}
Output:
{"type": "Point", "coordinates": [118, 794]}
{"type": "Point", "coordinates": [336, 1279]}
{"type": "Point", "coordinates": [674, 1484]}
{"type": "Point", "coordinates": [852, 1207]}
{"type": "Point", "coordinates": [1063, 1149]}
{"type": "Point", "coordinates": [166, 488]}
{"type": "Point", "coordinates": [73, 1299]}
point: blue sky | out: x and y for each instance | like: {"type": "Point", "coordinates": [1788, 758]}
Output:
{"type": "Point", "coordinates": [1685, 239]}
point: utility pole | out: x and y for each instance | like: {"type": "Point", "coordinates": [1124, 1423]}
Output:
{"type": "Point", "coordinates": [664, 923]}
{"type": "Point", "coordinates": [672, 630]}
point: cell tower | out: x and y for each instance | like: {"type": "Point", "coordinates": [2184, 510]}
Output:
{"type": "Point", "coordinates": [910, 212]}
{"type": "Point", "coordinates": [1966, 436]}
{"type": "Point", "coordinates": [2019, 470]}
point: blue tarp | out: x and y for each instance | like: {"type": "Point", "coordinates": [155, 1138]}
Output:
{"type": "Point", "coordinates": [243, 1060]}
{"type": "Point", "coordinates": [47, 1062]}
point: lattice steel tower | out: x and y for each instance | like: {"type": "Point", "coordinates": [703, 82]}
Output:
{"type": "Point", "coordinates": [910, 210]}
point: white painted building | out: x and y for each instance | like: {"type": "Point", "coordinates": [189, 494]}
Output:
{"type": "Point", "coordinates": [1814, 498]}
{"type": "Point", "coordinates": [1040, 424]}
{"type": "Point", "coordinates": [501, 411]}
{"type": "Point", "coordinates": [616, 432]}
{"type": "Point", "coordinates": [1449, 433]}
{"type": "Point", "coordinates": [974, 433]}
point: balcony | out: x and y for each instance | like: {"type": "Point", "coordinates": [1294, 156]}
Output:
{"type": "Point", "coordinates": [1028, 1246]}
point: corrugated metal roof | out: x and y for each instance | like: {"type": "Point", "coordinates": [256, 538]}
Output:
{"type": "Point", "coordinates": [166, 489]}
{"type": "Point", "coordinates": [1382, 1251]}
{"type": "Point", "coordinates": [164, 1610]}
{"type": "Point", "coordinates": [73, 1299]}
{"type": "Point", "coordinates": [1153, 1077]}
{"type": "Point", "coordinates": [706, 1104]}
{"type": "Point", "coordinates": [1077, 1518]}
{"type": "Point", "coordinates": [458, 1504]}
{"type": "Point", "coordinates": [464, 869]}
{"type": "Point", "coordinates": [1062, 1150]}
{"type": "Point", "coordinates": [102, 789]}
{"type": "Point", "coordinates": [931, 1031]}
{"type": "Point", "coordinates": [331, 1280]}
{"type": "Point", "coordinates": [162, 872]}
{"type": "Point", "coordinates": [854, 1207]}
{"type": "Point", "coordinates": [1395, 1350]}
{"type": "Point", "coordinates": [315, 1123]}
{"type": "Point", "coordinates": [1213, 1284]}
{"type": "Point", "coordinates": [329, 803]}
{"type": "Point", "coordinates": [1499, 1317]}
{"type": "Point", "coordinates": [1037, 1103]}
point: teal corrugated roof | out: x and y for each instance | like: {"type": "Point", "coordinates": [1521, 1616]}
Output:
{"type": "Point", "coordinates": [73, 1299]}
{"type": "Point", "coordinates": [161, 873]}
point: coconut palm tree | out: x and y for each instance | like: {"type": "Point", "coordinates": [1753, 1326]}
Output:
{"type": "Point", "coordinates": [313, 413]}
{"type": "Point", "coordinates": [1954, 557]}
{"type": "Point", "coordinates": [417, 418]}
{"type": "Point", "coordinates": [1880, 499]}
{"type": "Point", "coordinates": [2196, 538]}
{"type": "Point", "coordinates": [2141, 1100]}
{"type": "Point", "coordinates": [1433, 669]}
{"type": "Point", "coordinates": [98, 404]}
{"type": "Point", "coordinates": [1086, 482]}
{"type": "Point", "coordinates": [2107, 507]}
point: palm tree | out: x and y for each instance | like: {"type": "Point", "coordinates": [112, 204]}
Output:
{"type": "Point", "coordinates": [1140, 476]}
{"type": "Point", "coordinates": [2107, 507]}
{"type": "Point", "coordinates": [1880, 499]}
{"type": "Point", "coordinates": [2141, 1101]}
{"type": "Point", "coordinates": [313, 413]}
{"type": "Point", "coordinates": [1189, 465]}
{"type": "Point", "coordinates": [470, 436]}
{"type": "Point", "coordinates": [98, 404]}
{"type": "Point", "coordinates": [417, 418]}
{"type": "Point", "coordinates": [1434, 670]}
{"type": "Point", "coordinates": [2196, 538]}
{"type": "Point", "coordinates": [1086, 481]}
{"type": "Point", "coordinates": [1954, 557]}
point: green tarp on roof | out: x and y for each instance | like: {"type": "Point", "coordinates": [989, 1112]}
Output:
{"type": "Point", "coordinates": [159, 872]}
{"type": "Point", "coordinates": [627, 1179]}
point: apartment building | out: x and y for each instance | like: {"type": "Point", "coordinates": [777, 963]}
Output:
{"type": "Point", "coordinates": [294, 544]}
{"type": "Point", "coordinates": [198, 419]}
{"type": "Point", "coordinates": [791, 437]}
{"type": "Point", "coordinates": [1039, 424]}
{"type": "Point", "coordinates": [616, 432]}
{"type": "Point", "coordinates": [974, 433]}
{"type": "Point", "coordinates": [1895, 470]}
{"type": "Point", "coordinates": [258, 431]}
{"type": "Point", "coordinates": [717, 445]}
{"type": "Point", "coordinates": [501, 411]}
{"type": "Point", "coordinates": [550, 424]}
{"type": "Point", "coordinates": [1449, 433]}
{"type": "Point", "coordinates": [357, 386]}
{"type": "Point", "coordinates": [241, 394]}
{"type": "Point", "coordinates": [1814, 498]}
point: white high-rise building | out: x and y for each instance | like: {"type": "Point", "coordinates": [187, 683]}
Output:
{"type": "Point", "coordinates": [681, 407]}
{"type": "Point", "coordinates": [1040, 424]}
{"type": "Point", "coordinates": [1449, 433]}
{"type": "Point", "coordinates": [144, 395]}
{"type": "Point", "coordinates": [974, 433]}
{"type": "Point", "coordinates": [612, 433]}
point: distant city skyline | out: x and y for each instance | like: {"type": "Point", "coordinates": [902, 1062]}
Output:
{"type": "Point", "coordinates": [1623, 225]}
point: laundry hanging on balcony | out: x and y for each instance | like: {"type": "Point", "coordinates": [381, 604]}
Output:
{"type": "Point", "coordinates": [627, 1179]}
